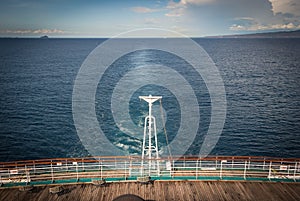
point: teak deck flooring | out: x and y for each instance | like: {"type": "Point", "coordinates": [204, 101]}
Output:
{"type": "Point", "coordinates": [162, 190]}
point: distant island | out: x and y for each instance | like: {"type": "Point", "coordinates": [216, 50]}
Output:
{"type": "Point", "coordinates": [280, 34]}
{"type": "Point", "coordinates": [44, 37]}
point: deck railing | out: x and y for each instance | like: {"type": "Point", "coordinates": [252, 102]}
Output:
{"type": "Point", "coordinates": [68, 170]}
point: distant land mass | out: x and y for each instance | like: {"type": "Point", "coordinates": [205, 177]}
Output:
{"type": "Point", "coordinates": [44, 37]}
{"type": "Point", "coordinates": [280, 34]}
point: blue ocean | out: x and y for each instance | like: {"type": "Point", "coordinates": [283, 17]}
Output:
{"type": "Point", "coordinates": [261, 79]}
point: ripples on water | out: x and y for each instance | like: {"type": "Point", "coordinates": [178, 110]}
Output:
{"type": "Point", "coordinates": [261, 79]}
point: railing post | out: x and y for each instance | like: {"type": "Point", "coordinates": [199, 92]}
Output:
{"type": "Point", "coordinates": [245, 170]}
{"type": "Point", "coordinates": [82, 161]}
{"type": "Point", "coordinates": [125, 169]}
{"type": "Point", "coordinates": [216, 163]}
{"type": "Point", "coordinates": [295, 171]}
{"type": "Point", "coordinates": [221, 169]}
{"type": "Point", "coordinates": [196, 169]}
{"type": "Point", "coordinates": [99, 163]}
{"type": "Point", "coordinates": [34, 170]}
{"type": "Point", "coordinates": [27, 175]}
{"type": "Point", "coordinates": [101, 174]}
{"type": "Point", "coordinates": [173, 170]}
{"type": "Point", "coordinates": [149, 167]}
{"type": "Point", "coordinates": [264, 164]}
{"type": "Point", "coordinates": [270, 170]}
{"type": "Point", "coordinates": [52, 173]}
{"type": "Point", "coordinates": [130, 164]}
{"type": "Point", "coordinates": [99, 168]}
{"type": "Point", "coordinates": [77, 176]}
{"type": "Point", "coordinates": [200, 164]}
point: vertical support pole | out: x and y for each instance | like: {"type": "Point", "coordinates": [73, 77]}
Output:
{"type": "Point", "coordinates": [270, 170]}
{"type": "Point", "coordinates": [264, 164]}
{"type": "Point", "coordinates": [295, 170]}
{"type": "Point", "coordinates": [200, 164]}
{"type": "Point", "coordinates": [149, 133]}
{"type": "Point", "coordinates": [142, 171]}
{"type": "Point", "coordinates": [125, 176]}
{"type": "Point", "coordinates": [149, 168]}
{"type": "Point", "coordinates": [245, 170]}
{"type": "Point", "coordinates": [27, 175]}
{"type": "Point", "coordinates": [173, 169]}
{"type": "Point", "coordinates": [130, 164]}
{"type": "Point", "coordinates": [99, 163]}
{"type": "Point", "coordinates": [52, 173]}
{"type": "Point", "coordinates": [77, 176]}
{"type": "Point", "coordinates": [216, 163]}
{"type": "Point", "coordinates": [144, 141]}
{"type": "Point", "coordinates": [34, 169]}
{"type": "Point", "coordinates": [101, 169]}
{"type": "Point", "coordinates": [221, 169]}
{"type": "Point", "coordinates": [156, 145]}
{"type": "Point", "coordinates": [196, 169]}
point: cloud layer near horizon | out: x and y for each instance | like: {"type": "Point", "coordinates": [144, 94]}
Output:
{"type": "Point", "coordinates": [104, 18]}
{"type": "Point", "coordinates": [239, 15]}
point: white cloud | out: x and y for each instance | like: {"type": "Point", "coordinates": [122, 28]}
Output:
{"type": "Point", "coordinates": [255, 24]}
{"type": "Point", "coordinates": [144, 10]}
{"type": "Point", "coordinates": [16, 31]}
{"type": "Point", "coordinates": [196, 2]}
{"type": "Point", "coordinates": [286, 6]}
{"type": "Point", "coordinates": [48, 31]}
{"type": "Point", "coordinates": [221, 16]}
{"type": "Point", "coordinates": [245, 18]}
{"type": "Point", "coordinates": [151, 21]}
{"type": "Point", "coordinates": [269, 27]}
{"type": "Point", "coordinates": [175, 13]}
{"type": "Point", "coordinates": [30, 31]}
{"type": "Point", "coordinates": [175, 9]}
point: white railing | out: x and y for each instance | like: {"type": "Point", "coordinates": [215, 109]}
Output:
{"type": "Point", "coordinates": [65, 170]}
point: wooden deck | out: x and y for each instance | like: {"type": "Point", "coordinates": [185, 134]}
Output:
{"type": "Point", "coordinates": [161, 190]}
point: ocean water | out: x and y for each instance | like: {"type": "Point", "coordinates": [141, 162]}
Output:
{"type": "Point", "coordinates": [261, 79]}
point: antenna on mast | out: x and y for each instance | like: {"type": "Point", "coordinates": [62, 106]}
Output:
{"type": "Point", "coordinates": [149, 127]}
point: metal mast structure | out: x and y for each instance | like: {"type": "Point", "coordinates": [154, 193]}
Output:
{"type": "Point", "coordinates": [149, 127]}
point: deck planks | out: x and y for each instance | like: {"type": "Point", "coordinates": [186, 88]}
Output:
{"type": "Point", "coordinates": [163, 190]}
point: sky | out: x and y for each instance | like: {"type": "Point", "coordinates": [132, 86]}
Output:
{"type": "Point", "coordinates": [107, 18]}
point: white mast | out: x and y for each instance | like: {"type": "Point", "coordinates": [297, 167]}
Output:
{"type": "Point", "coordinates": [149, 125]}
